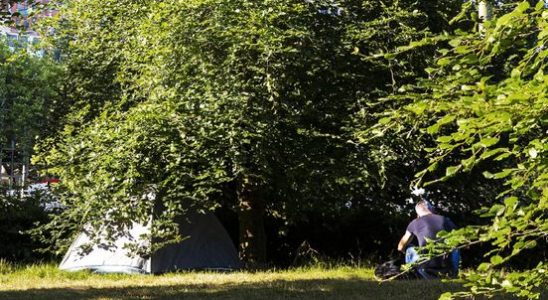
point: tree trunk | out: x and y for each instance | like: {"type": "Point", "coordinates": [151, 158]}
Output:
{"type": "Point", "coordinates": [251, 213]}
{"type": "Point", "coordinates": [484, 14]}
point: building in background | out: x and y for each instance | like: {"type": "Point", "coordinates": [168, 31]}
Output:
{"type": "Point", "coordinates": [26, 12]}
{"type": "Point", "coordinates": [22, 15]}
{"type": "Point", "coordinates": [17, 31]}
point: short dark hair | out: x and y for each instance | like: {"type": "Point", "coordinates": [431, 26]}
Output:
{"type": "Point", "coordinates": [424, 204]}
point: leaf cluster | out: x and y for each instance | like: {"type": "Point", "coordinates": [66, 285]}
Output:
{"type": "Point", "coordinates": [485, 105]}
{"type": "Point", "coordinates": [194, 100]}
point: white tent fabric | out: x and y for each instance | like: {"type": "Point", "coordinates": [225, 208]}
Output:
{"type": "Point", "coordinates": [208, 246]}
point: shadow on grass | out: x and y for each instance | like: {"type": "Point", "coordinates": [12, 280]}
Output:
{"type": "Point", "coordinates": [279, 289]}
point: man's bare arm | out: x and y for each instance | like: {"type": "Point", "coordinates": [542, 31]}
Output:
{"type": "Point", "coordinates": [404, 240]}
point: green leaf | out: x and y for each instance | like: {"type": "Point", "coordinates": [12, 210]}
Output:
{"type": "Point", "coordinates": [488, 142]}
{"type": "Point", "coordinates": [503, 174]}
{"type": "Point", "coordinates": [417, 108]}
{"type": "Point", "coordinates": [450, 171]}
{"type": "Point", "coordinates": [444, 139]}
{"type": "Point", "coordinates": [511, 202]}
{"type": "Point", "coordinates": [446, 120]}
{"type": "Point", "coordinates": [468, 163]}
{"type": "Point", "coordinates": [446, 296]}
{"type": "Point", "coordinates": [433, 167]}
{"type": "Point", "coordinates": [530, 244]}
{"type": "Point", "coordinates": [496, 210]}
{"type": "Point", "coordinates": [504, 20]}
{"type": "Point", "coordinates": [385, 120]}
{"type": "Point", "coordinates": [488, 175]}
{"type": "Point", "coordinates": [444, 61]}
{"type": "Point", "coordinates": [503, 156]}
{"type": "Point", "coordinates": [455, 42]}
{"type": "Point", "coordinates": [523, 6]}
{"type": "Point", "coordinates": [484, 267]}
{"type": "Point", "coordinates": [496, 260]}
{"type": "Point", "coordinates": [491, 153]}
{"type": "Point", "coordinates": [516, 73]}
{"type": "Point", "coordinates": [433, 129]}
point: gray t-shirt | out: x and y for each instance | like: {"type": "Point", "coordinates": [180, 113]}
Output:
{"type": "Point", "coordinates": [428, 227]}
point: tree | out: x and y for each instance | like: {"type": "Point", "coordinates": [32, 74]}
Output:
{"type": "Point", "coordinates": [200, 101]}
{"type": "Point", "coordinates": [28, 97]}
{"type": "Point", "coordinates": [242, 104]}
{"type": "Point", "coordinates": [393, 158]}
{"type": "Point", "coordinates": [484, 103]}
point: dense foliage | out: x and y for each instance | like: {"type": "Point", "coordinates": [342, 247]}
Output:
{"type": "Point", "coordinates": [485, 104]}
{"type": "Point", "coordinates": [314, 114]}
{"type": "Point", "coordinates": [241, 104]}
{"type": "Point", "coordinates": [28, 95]}
{"type": "Point", "coordinates": [18, 216]}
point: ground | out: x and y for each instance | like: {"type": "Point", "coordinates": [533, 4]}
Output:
{"type": "Point", "coordinates": [47, 282]}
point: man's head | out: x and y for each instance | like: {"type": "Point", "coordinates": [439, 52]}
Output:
{"type": "Point", "coordinates": [423, 208]}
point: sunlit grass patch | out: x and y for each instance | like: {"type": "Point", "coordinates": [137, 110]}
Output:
{"type": "Point", "coordinates": [343, 282]}
{"type": "Point", "coordinates": [6, 267]}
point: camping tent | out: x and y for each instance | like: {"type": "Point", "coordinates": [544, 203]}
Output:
{"type": "Point", "coordinates": [207, 246]}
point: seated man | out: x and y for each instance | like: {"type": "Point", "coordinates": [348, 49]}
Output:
{"type": "Point", "coordinates": [427, 225]}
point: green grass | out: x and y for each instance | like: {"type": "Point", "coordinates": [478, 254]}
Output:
{"type": "Point", "coordinates": [47, 282]}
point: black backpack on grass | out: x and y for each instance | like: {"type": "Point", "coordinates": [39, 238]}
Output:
{"type": "Point", "coordinates": [392, 268]}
